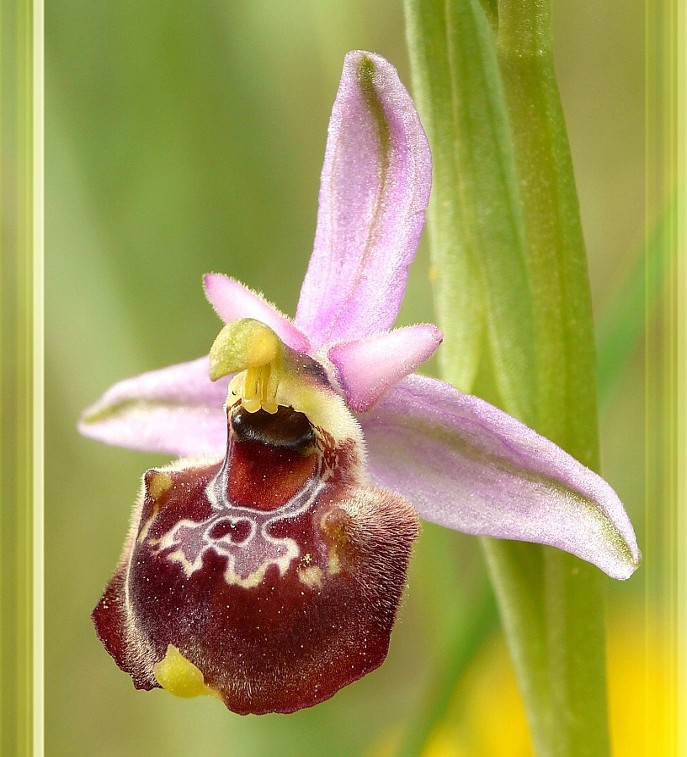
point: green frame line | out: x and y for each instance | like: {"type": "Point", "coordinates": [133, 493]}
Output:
{"type": "Point", "coordinates": [21, 383]}
{"type": "Point", "coordinates": [38, 546]}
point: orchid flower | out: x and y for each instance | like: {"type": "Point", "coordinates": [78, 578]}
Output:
{"type": "Point", "coordinates": [265, 567]}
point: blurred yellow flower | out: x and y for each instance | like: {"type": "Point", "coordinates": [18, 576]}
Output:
{"type": "Point", "coordinates": [487, 717]}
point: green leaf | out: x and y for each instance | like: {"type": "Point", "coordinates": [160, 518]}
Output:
{"type": "Point", "coordinates": [475, 224]}
{"type": "Point", "coordinates": [510, 210]}
{"type": "Point", "coordinates": [556, 254]}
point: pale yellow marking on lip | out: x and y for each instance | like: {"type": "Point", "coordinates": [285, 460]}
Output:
{"type": "Point", "coordinates": [333, 563]}
{"type": "Point", "coordinates": [160, 484]}
{"type": "Point", "coordinates": [335, 524]}
{"type": "Point", "coordinates": [256, 578]}
{"type": "Point", "coordinates": [311, 577]}
{"type": "Point", "coordinates": [180, 677]}
{"type": "Point", "coordinates": [251, 581]}
{"type": "Point", "coordinates": [148, 524]}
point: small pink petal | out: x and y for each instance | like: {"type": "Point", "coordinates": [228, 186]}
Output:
{"type": "Point", "coordinates": [176, 410]}
{"type": "Point", "coordinates": [367, 368]}
{"type": "Point", "coordinates": [374, 192]}
{"type": "Point", "coordinates": [467, 465]}
{"type": "Point", "coordinates": [233, 301]}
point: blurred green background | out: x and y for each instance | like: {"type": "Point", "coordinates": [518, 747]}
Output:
{"type": "Point", "coordinates": [183, 138]}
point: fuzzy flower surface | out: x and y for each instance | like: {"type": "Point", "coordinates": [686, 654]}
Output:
{"type": "Point", "coordinates": [266, 565]}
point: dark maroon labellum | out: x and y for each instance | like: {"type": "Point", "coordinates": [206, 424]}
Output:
{"type": "Point", "coordinates": [274, 574]}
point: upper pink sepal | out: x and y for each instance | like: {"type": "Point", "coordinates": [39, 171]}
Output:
{"type": "Point", "coordinates": [374, 192]}
{"type": "Point", "coordinates": [469, 466]}
{"type": "Point", "coordinates": [233, 301]}
{"type": "Point", "coordinates": [176, 410]}
{"type": "Point", "coordinates": [367, 368]}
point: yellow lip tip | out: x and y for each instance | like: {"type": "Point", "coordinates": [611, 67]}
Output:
{"type": "Point", "coordinates": [180, 677]}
